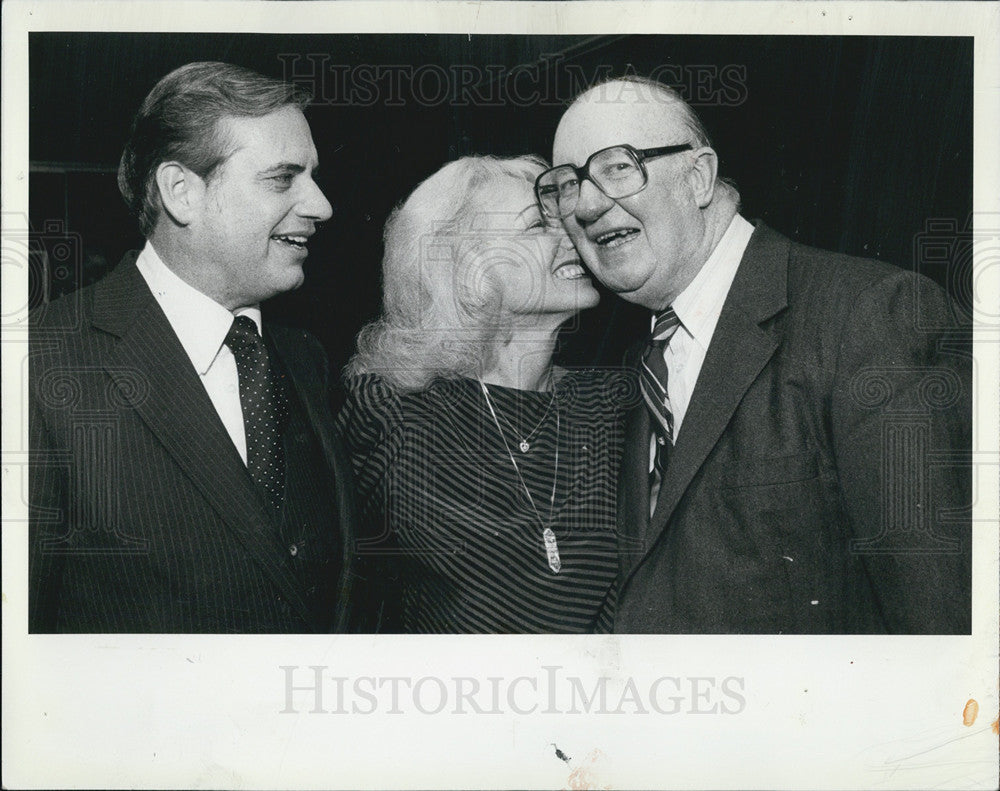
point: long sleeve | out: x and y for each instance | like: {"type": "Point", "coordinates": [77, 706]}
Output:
{"type": "Point", "coordinates": [901, 420]}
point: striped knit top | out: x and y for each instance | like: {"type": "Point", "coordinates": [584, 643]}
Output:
{"type": "Point", "coordinates": [446, 513]}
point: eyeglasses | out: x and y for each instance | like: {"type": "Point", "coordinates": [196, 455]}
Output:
{"type": "Point", "coordinates": [617, 171]}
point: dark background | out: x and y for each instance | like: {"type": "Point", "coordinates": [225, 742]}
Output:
{"type": "Point", "coordinates": [853, 144]}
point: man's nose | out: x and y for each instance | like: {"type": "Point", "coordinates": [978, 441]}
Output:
{"type": "Point", "coordinates": [314, 204]}
{"type": "Point", "coordinates": [592, 203]}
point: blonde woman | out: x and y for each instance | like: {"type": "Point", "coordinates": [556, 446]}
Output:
{"type": "Point", "coordinates": [485, 475]}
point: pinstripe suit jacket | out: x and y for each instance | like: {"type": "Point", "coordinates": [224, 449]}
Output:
{"type": "Point", "coordinates": [143, 516]}
{"type": "Point", "coordinates": [820, 481]}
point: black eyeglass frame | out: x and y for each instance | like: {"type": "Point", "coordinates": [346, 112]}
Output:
{"type": "Point", "coordinates": [640, 155]}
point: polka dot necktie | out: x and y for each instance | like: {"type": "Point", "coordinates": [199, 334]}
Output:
{"type": "Point", "coordinates": [653, 381]}
{"type": "Point", "coordinates": [265, 408]}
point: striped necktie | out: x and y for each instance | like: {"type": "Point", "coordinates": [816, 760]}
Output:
{"type": "Point", "coordinates": [653, 380]}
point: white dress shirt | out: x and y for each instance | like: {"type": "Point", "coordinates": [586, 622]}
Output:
{"type": "Point", "coordinates": [698, 307]}
{"type": "Point", "coordinates": [201, 325]}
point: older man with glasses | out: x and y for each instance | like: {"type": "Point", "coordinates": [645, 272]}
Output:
{"type": "Point", "coordinates": [800, 460]}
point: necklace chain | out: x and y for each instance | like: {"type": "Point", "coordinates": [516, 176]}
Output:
{"type": "Point", "coordinates": [524, 440]}
{"type": "Point", "coordinates": [551, 546]}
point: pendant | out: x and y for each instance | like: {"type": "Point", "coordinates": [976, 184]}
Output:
{"type": "Point", "coordinates": [552, 549]}
{"type": "Point", "coordinates": [524, 446]}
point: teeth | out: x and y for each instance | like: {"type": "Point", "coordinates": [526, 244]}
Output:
{"type": "Point", "coordinates": [615, 236]}
{"type": "Point", "coordinates": [297, 240]}
{"type": "Point", "coordinates": [570, 272]}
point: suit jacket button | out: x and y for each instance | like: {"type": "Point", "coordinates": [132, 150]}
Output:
{"type": "Point", "coordinates": [293, 550]}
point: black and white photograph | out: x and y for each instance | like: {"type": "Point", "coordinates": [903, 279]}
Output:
{"type": "Point", "coordinates": [579, 402]}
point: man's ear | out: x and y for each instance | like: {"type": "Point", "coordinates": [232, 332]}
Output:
{"type": "Point", "coordinates": [702, 175]}
{"type": "Point", "coordinates": [181, 191]}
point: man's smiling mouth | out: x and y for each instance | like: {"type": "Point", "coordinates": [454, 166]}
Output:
{"type": "Point", "coordinates": [296, 241]}
{"type": "Point", "coordinates": [617, 237]}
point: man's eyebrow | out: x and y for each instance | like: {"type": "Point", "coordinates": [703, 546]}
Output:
{"type": "Point", "coordinates": [284, 167]}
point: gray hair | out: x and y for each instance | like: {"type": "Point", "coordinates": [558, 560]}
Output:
{"type": "Point", "coordinates": [441, 316]}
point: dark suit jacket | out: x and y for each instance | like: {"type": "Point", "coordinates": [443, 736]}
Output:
{"type": "Point", "coordinates": [143, 516]}
{"type": "Point", "coordinates": [820, 480]}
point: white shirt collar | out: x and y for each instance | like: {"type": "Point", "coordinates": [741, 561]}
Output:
{"type": "Point", "coordinates": [700, 304]}
{"type": "Point", "coordinates": [201, 323]}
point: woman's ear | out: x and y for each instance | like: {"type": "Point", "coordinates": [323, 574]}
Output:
{"type": "Point", "coordinates": [181, 191]}
{"type": "Point", "coordinates": [702, 175]}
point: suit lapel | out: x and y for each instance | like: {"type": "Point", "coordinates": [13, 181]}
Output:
{"type": "Point", "coordinates": [155, 375]}
{"type": "Point", "coordinates": [307, 380]}
{"type": "Point", "coordinates": [633, 481]}
{"type": "Point", "coordinates": [739, 350]}
{"type": "Point", "coordinates": [309, 377]}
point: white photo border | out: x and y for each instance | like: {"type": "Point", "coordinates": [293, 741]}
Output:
{"type": "Point", "coordinates": [209, 711]}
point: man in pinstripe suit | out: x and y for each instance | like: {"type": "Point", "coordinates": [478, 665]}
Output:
{"type": "Point", "coordinates": [185, 476]}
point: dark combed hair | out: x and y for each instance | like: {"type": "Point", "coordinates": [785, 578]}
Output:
{"type": "Point", "coordinates": [179, 121]}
